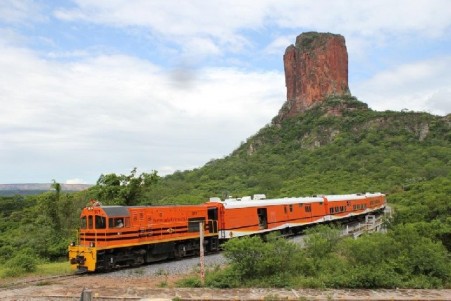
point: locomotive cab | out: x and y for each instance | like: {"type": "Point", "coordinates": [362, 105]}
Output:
{"type": "Point", "coordinates": [98, 226]}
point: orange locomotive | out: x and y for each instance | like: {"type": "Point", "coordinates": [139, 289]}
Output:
{"type": "Point", "coordinates": [112, 236]}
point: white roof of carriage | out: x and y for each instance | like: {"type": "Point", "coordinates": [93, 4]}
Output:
{"type": "Point", "coordinates": [249, 202]}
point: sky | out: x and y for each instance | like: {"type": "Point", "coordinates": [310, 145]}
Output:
{"type": "Point", "coordinates": [91, 87]}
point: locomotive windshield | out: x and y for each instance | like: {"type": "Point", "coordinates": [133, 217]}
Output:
{"type": "Point", "coordinates": [100, 222]}
{"type": "Point", "coordinates": [83, 222]}
{"type": "Point", "coordinates": [88, 222]}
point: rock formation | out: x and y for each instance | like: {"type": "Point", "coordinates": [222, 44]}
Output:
{"type": "Point", "coordinates": [315, 67]}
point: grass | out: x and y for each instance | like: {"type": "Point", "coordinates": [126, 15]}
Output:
{"type": "Point", "coordinates": [53, 268]}
{"type": "Point", "coordinates": [43, 269]}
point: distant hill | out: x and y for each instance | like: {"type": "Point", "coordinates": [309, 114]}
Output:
{"type": "Point", "coordinates": [37, 188]}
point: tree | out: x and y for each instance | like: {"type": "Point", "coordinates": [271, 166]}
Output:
{"type": "Point", "coordinates": [123, 189]}
{"type": "Point", "coordinates": [321, 240]}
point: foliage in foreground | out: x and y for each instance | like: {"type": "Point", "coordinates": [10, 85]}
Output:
{"type": "Point", "coordinates": [402, 258]}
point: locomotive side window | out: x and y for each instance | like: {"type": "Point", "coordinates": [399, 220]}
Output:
{"type": "Point", "coordinates": [193, 224]}
{"type": "Point", "coordinates": [308, 208]}
{"type": "Point", "coordinates": [83, 222]}
{"type": "Point", "coordinates": [118, 222]}
{"type": "Point", "coordinates": [100, 222]}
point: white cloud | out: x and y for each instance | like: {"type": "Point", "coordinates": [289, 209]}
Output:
{"type": "Point", "coordinates": [419, 86]}
{"type": "Point", "coordinates": [20, 11]}
{"type": "Point", "coordinates": [214, 25]}
{"type": "Point", "coordinates": [440, 101]}
{"type": "Point", "coordinates": [85, 111]}
{"type": "Point", "coordinates": [220, 24]}
{"type": "Point", "coordinates": [279, 44]}
{"type": "Point", "coordinates": [75, 181]}
{"type": "Point", "coordinates": [114, 112]}
{"type": "Point", "coordinates": [367, 18]}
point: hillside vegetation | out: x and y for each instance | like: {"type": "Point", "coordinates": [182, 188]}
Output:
{"type": "Point", "coordinates": [340, 146]}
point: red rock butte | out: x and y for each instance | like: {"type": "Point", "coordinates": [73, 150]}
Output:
{"type": "Point", "coordinates": [315, 67]}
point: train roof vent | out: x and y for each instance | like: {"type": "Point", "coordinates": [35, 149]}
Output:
{"type": "Point", "coordinates": [259, 197]}
{"type": "Point", "coordinates": [232, 199]}
{"type": "Point", "coordinates": [215, 199]}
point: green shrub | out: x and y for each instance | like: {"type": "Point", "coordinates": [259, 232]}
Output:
{"type": "Point", "coordinates": [24, 262]}
{"type": "Point", "coordinates": [191, 281]}
{"type": "Point", "coordinates": [227, 277]}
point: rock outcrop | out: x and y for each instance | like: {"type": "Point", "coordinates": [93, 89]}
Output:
{"type": "Point", "coordinates": [315, 67]}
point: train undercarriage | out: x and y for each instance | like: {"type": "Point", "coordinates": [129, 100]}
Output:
{"type": "Point", "coordinates": [114, 258]}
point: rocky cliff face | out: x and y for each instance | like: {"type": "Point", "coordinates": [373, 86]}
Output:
{"type": "Point", "coordinates": [315, 67]}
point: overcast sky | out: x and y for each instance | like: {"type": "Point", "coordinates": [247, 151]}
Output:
{"type": "Point", "coordinates": [102, 86]}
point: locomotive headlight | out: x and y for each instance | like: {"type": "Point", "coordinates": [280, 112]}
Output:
{"type": "Point", "coordinates": [72, 244]}
{"type": "Point", "coordinates": [92, 244]}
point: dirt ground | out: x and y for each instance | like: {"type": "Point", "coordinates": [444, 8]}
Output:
{"type": "Point", "coordinates": [103, 287]}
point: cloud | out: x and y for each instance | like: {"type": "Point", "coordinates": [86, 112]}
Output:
{"type": "Point", "coordinates": [221, 24]}
{"type": "Point", "coordinates": [212, 25]}
{"type": "Point", "coordinates": [75, 181]}
{"type": "Point", "coordinates": [107, 104]}
{"type": "Point", "coordinates": [366, 18]}
{"type": "Point", "coordinates": [111, 113]}
{"type": "Point", "coordinates": [20, 11]}
{"type": "Point", "coordinates": [279, 44]}
{"type": "Point", "coordinates": [419, 86]}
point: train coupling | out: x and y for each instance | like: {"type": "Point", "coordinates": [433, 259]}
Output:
{"type": "Point", "coordinates": [79, 260]}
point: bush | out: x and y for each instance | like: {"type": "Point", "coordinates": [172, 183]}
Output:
{"type": "Point", "coordinates": [23, 262]}
{"type": "Point", "coordinates": [190, 282]}
{"type": "Point", "coordinates": [253, 258]}
{"type": "Point", "coordinates": [225, 278]}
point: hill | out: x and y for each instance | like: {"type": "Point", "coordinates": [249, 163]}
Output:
{"type": "Point", "coordinates": [323, 140]}
{"type": "Point", "coordinates": [338, 146]}
{"type": "Point", "coordinates": [37, 188]}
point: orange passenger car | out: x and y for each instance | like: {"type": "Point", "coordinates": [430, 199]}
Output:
{"type": "Point", "coordinates": [246, 216]}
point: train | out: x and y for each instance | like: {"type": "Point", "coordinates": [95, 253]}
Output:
{"type": "Point", "coordinates": [115, 236]}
